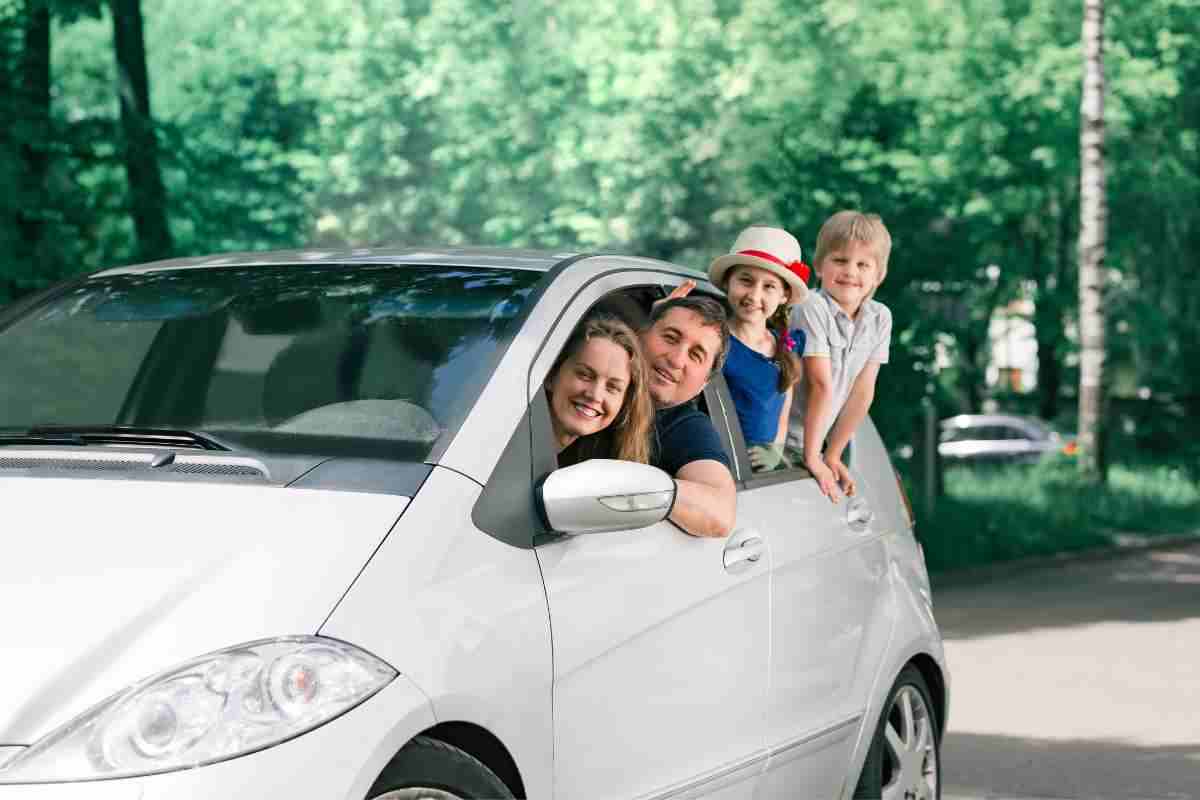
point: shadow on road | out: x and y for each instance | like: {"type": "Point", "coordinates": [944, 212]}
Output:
{"type": "Point", "coordinates": [981, 766]}
{"type": "Point", "coordinates": [1153, 586]}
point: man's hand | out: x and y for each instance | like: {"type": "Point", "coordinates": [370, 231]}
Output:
{"type": "Point", "coordinates": [826, 480]}
{"type": "Point", "coordinates": [705, 499]}
{"type": "Point", "coordinates": [682, 290]}
{"type": "Point", "coordinates": [842, 474]}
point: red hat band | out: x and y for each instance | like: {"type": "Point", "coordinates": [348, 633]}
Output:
{"type": "Point", "coordinates": [797, 268]}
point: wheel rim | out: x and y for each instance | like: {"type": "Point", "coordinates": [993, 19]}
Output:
{"type": "Point", "coordinates": [418, 793]}
{"type": "Point", "coordinates": [910, 769]}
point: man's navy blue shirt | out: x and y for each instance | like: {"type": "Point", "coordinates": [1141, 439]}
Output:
{"type": "Point", "coordinates": [683, 434]}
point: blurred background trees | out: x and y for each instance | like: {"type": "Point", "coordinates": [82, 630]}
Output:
{"type": "Point", "coordinates": [657, 128]}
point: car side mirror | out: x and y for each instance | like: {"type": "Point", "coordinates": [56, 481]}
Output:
{"type": "Point", "coordinates": [605, 494]}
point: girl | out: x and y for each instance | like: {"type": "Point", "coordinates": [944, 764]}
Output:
{"type": "Point", "coordinates": [762, 276]}
{"type": "Point", "coordinates": [599, 404]}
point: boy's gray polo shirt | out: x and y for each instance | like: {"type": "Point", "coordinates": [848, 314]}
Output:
{"type": "Point", "coordinates": [849, 345]}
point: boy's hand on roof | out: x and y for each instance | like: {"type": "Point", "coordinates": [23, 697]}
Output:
{"type": "Point", "coordinates": [826, 480]}
{"type": "Point", "coordinates": [842, 473]}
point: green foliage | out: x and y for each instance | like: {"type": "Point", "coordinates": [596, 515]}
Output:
{"type": "Point", "coordinates": [999, 514]}
{"type": "Point", "coordinates": [661, 128]}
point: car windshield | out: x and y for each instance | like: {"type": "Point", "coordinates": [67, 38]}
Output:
{"type": "Point", "coordinates": [296, 358]}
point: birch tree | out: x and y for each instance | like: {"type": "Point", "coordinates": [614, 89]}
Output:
{"type": "Point", "coordinates": [1092, 236]}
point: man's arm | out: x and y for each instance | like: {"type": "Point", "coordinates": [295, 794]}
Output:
{"type": "Point", "coordinates": [853, 413]}
{"type": "Point", "coordinates": [705, 499]}
{"type": "Point", "coordinates": [819, 376]}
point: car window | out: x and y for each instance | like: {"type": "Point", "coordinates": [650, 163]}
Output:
{"type": "Point", "coordinates": [633, 305]}
{"type": "Point", "coordinates": [295, 353]}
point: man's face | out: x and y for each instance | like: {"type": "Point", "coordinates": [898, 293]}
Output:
{"type": "Point", "coordinates": [680, 350]}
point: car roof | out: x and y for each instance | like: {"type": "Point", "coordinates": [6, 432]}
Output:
{"type": "Point", "coordinates": [479, 257]}
{"type": "Point", "coordinates": [535, 260]}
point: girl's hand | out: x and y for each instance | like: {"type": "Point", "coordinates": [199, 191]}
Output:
{"type": "Point", "coordinates": [767, 457]}
{"type": "Point", "coordinates": [682, 290]}
{"type": "Point", "coordinates": [826, 480]}
{"type": "Point", "coordinates": [842, 473]}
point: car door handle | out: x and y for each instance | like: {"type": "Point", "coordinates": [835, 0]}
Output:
{"type": "Point", "coordinates": [742, 552]}
{"type": "Point", "coordinates": [859, 515]}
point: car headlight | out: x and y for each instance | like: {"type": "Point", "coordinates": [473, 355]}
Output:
{"type": "Point", "coordinates": [212, 708]}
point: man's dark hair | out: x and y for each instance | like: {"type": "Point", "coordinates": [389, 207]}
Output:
{"type": "Point", "coordinates": [712, 313]}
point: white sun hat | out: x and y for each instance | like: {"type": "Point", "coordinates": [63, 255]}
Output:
{"type": "Point", "coordinates": [772, 249]}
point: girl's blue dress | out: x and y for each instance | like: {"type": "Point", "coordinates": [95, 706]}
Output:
{"type": "Point", "coordinates": [753, 381]}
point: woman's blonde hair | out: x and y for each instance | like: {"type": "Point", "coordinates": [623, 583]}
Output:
{"type": "Point", "coordinates": [630, 430]}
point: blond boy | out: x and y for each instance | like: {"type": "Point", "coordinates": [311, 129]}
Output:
{"type": "Point", "coordinates": [847, 337]}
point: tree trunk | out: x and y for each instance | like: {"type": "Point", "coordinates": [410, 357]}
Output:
{"type": "Point", "coordinates": [147, 194]}
{"type": "Point", "coordinates": [1092, 239]}
{"type": "Point", "coordinates": [1047, 316]}
{"type": "Point", "coordinates": [34, 134]}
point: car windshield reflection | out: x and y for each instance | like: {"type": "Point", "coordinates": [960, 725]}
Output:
{"type": "Point", "coordinates": [290, 357]}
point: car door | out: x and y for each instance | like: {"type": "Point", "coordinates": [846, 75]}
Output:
{"type": "Point", "coordinates": [661, 647]}
{"type": "Point", "coordinates": [828, 626]}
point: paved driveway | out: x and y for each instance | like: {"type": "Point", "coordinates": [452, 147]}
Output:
{"type": "Point", "coordinates": [1076, 681]}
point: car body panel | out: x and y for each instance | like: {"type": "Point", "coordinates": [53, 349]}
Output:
{"type": "Point", "coordinates": [464, 617]}
{"type": "Point", "coordinates": [825, 582]}
{"type": "Point", "coordinates": [108, 582]}
{"type": "Point", "coordinates": [650, 626]}
{"type": "Point", "coordinates": [903, 624]}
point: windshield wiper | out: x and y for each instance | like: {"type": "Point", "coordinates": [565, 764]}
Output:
{"type": "Point", "coordinates": [111, 434]}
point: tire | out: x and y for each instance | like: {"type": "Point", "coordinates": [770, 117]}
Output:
{"type": "Point", "coordinates": [429, 769]}
{"type": "Point", "coordinates": [905, 761]}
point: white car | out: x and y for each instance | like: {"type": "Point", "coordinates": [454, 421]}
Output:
{"type": "Point", "coordinates": [999, 438]}
{"type": "Point", "coordinates": [289, 525]}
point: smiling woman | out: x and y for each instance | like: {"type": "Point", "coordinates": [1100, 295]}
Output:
{"type": "Point", "coordinates": [599, 403]}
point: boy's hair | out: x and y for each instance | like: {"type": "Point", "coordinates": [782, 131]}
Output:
{"type": "Point", "coordinates": [855, 226]}
{"type": "Point", "coordinates": [711, 312]}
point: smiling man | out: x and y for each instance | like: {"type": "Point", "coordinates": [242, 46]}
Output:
{"type": "Point", "coordinates": [684, 345]}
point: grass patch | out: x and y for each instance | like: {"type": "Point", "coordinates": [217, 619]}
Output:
{"type": "Point", "coordinates": [1003, 513]}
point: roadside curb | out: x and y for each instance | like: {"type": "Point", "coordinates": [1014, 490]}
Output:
{"type": "Point", "coordinates": [1123, 544]}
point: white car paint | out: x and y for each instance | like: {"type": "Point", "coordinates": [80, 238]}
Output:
{"type": "Point", "coordinates": [825, 582]}
{"type": "Point", "coordinates": [104, 582]}
{"type": "Point", "coordinates": [660, 669]}
{"type": "Point", "coordinates": [464, 617]}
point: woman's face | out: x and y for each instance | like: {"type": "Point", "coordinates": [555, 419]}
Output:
{"type": "Point", "coordinates": [754, 293]}
{"type": "Point", "coordinates": [587, 391]}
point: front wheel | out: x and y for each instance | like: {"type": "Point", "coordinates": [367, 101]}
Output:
{"type": "Point", "coordinates": [429, 769]}
{"type": "Point", "coordinates": [904, 762]}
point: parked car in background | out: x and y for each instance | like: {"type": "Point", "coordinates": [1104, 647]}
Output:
{"type": "Point", "coordinates": [291, 525]}
{"type": "Point", "coordinates": [999, 438]}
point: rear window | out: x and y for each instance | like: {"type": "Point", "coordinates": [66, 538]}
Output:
{"type": "Point", "coordinates": [289, 357]}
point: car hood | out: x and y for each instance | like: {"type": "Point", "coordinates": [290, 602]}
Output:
{"type": "Point", "coordinates": [106, 582]}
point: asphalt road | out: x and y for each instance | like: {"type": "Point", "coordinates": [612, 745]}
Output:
{"type": "Point", "coordinates": [1076, 681]}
